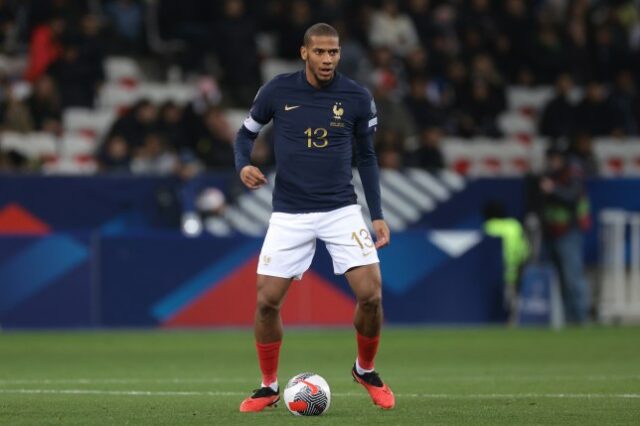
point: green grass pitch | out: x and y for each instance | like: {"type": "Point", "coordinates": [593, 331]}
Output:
{"type": "Point", "coordinates": [440, 376]}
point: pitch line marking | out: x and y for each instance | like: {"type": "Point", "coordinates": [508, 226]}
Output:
{"type": "Point", "coordinates": [87, 381]}
{"type": "Point", "coordinates": [347, 394]}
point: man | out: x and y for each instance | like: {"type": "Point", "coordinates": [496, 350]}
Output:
{"type": "Point", "coordinates": [565, 217]}
{"type": "Point", "coordinates": [317, 114]}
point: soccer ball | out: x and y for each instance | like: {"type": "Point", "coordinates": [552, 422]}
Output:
{"type": "Point", "coordinates": [307, 394]}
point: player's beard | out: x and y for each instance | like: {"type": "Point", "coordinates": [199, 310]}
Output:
{"type": "Point", "coordinates": [322, 78]}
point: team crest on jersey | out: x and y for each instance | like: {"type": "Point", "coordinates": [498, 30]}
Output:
{"type": "Point", "coordinates": [338, 112]}
{"type": "Point", "coordinates": [266, 259]}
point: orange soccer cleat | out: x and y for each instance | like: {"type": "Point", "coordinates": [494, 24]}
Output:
{"type": "Point", "coordinates": [261, 399]}
{"type": "Point", "coordinates": [379, 392]}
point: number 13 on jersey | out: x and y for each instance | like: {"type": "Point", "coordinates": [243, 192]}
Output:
{"type": "Point", "coordinates": [316, 138]}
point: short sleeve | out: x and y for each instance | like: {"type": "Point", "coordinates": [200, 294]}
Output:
{"type": "Point", "coordinates": [367, 120]}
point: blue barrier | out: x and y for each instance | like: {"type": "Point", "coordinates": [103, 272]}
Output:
{"type": "Point", "coordinates": [165, 279]}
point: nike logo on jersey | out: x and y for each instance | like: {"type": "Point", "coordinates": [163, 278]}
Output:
{"type": "Point", "coordinates": [366, 254]}
{"type": "Point", "coordinates": [289, 108]}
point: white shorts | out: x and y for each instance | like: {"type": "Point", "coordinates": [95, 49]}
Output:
{"type": "Point", "coordinates": [290, 242]}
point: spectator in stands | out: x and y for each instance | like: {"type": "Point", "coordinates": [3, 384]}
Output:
{"type": "Point", "coordinates": [416, 63]}
{"type": "Point", "coordinates": [330, 11]}
{"type": "Point", "coordinates": [76, 76]}
{"type": "Point", "coordinates": [558, 118]}
{"type": "Point", "coordinates": [154, 157]}
{"type": "Point", "coordinates": [45, 47]}
{"type": "Point", "coordinates": [389, 147]}
{"type": "Point", "coordinates": [114, 155]}
{"type": "Point", "coordinates": [8, 26]}
{"type": "Point", "coordinates": [517, 23]}
{"type": "Point", "coordinates": [386, 92]}
{"type": "Point", "coordinates": [594, 114]}
{"type": "Point", "coordinates": [445, 44]}
{"type": "Point", "coordinates": [478, 14]}
{"type": "Point", "coordinates": [45, 106]}
{"type": "Point", "coordinates": [214, 145]}
{"type": "Point", "coordinates": [625, 104]}
{"type": "Point", "coordinates": [136, 123]}
{"type": "Point", "coordinates": [92, 47]}
{"type": "Point", "coordinates": [208, 96]}
{"type": "Point", "coordinates": [581, 151]}
{"type": "Point", "coordinates": [13, 162]}
{"type": "Point", "coordinates": [392, 29]}
{"type": "Point", "coordinates": [480, 112]}
{"type": "Point", "coordinates": [126, 24]}
{"type": "Point", "coordinates": [421, 13]}
{"type": "Point", "coordinates": [428, 156]}
{"type": "Point", "coordinates": [548, 54]}
{"type": "Point", "coordinates": [354, 62]}
{"type": "Point", "coordinates": [423, 111]}
{"type": "Point", "coordinates": [610, 51]}
{"type": "Point", "coordinates": [292, 29]}
{"type": "Point", "coordinates": [505, 57]}
{"type": "Point", "coordinates": [235, 41]}
{"type": "Point", "coordinates": [565, 216]}
{"type": "Point", "coordinates": [390, 158]}
{"type": "Point", "coordinates": [171, 125]}
{"type": "Point", "coordinates": [16, 115]}
{"type": "Point", "coordinates": [576, 52]}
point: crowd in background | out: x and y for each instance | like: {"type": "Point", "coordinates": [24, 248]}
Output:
{"type": "Point", "coordinates": [436, 68]}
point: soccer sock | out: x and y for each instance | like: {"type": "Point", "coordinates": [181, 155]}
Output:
{"type": "Point", "coordinates": [268, 354]}
{"type": "Point", "coordinates": [367, 349]}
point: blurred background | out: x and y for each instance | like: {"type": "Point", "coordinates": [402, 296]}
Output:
{"type": "Point", "coordinates": [509, 142]}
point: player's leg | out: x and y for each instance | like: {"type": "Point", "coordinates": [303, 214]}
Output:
{"type": "Point", "coordinates": [353, 253]}
{"type": "Point", "coordinates": [268, 325]}
{"type": "Point", "coordinates": [286, 253]}
{"type": "Point", "coordinates": [271, 292]}
{"type": "Point", "coordinates": [366, 283]}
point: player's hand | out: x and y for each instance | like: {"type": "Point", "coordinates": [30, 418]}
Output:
{"type": "Point", "coordinates": [383, 236]}
{"type": "Point", "coordinates": [252, 177]}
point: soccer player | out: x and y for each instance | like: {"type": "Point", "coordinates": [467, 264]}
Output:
{"type": "Point", "coordinates": [318, 115]}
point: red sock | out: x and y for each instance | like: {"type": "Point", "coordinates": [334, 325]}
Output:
{"type": "Point", "coordinates": [268, 354]}
{"type": "Point", "coordinates": [367, 349]}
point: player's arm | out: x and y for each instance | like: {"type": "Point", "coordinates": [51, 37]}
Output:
{"type": "Point", "coordinates": [260, 114]}
{"type": "Point", "coordinates": [367, 163]}
{"type": "Point", "coordinates": [250, 175]}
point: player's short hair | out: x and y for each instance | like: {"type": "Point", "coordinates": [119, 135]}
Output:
{"type": "Point", "coordinates": [319, 30]}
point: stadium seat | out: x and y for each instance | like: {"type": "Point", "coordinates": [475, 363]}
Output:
{"type": "Point", "coordinates": [617, 157]}
{"type": "Point", "coordinates": [527, 99]}
{"type": "Point", "coordinates": [74, 145]}
{"type": "Point", "coordinates": [71, 166]}
{"type": "Point", "coordinates": [117, 96]}
{"type": "Point", "coordinates": [87, 121]}
{"type": "Point", "coordinates": [514, 122]}
{"type": "Point", "coordinates": [122, 69]}
{"type": "Point", "coordinates": [42, 144]}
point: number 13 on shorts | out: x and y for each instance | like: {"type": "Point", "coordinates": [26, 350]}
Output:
{"type": "Point", "coordinates": [362, 238]}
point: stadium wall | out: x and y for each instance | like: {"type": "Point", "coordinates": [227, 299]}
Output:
{"type": "Point", "coordinates": [103, 252]}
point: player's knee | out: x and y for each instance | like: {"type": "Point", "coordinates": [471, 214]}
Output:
{"type": "Point", "coordinates": [267, 306]}
{"type": "Point", "coordinates": [371, 302]}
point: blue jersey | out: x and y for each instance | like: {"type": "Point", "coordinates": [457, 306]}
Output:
{"type": "Point", "coordinates": [314, 132]}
